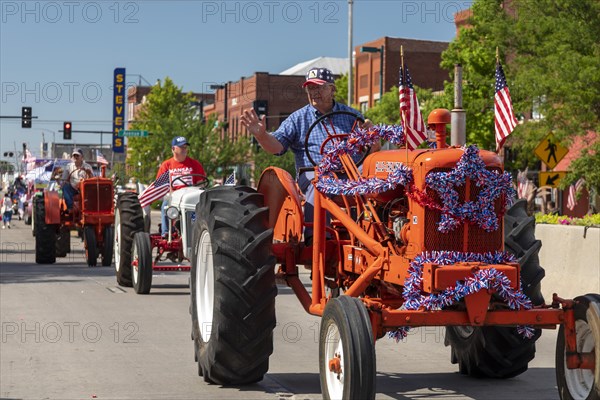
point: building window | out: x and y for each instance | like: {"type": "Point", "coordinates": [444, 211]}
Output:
{"type": "Point", "coordinates": [364, 106]}
{"type": "Point", "coordinates": [363, 81]}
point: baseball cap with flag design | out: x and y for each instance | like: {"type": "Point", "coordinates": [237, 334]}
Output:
{"type": "Point", "coordinates": [318, 76]}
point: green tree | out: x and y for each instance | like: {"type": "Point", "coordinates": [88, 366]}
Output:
{"type": "Point", "coordinates": [474, 49]}
{"type": "Point", "coordinates": [341, 89]}
{"type": "Point", "coordinates": [557, 63]}
{"type": "Point", "coordinates": [387, 111]}
{"type": "Point", "coordinates": [262, 160]}
{"type": "Point", "coordinates": [168, 112]}
{"type": "Point", "coordinates": [551, 56]}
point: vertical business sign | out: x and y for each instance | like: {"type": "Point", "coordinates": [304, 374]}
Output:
{"type": "Point", "coordinates": [118, 110]}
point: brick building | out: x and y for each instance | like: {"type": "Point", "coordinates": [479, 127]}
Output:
{"type": "Point", "coordinates": [422, 57]}
{"type": "Point", "coordinates": [136, 97]}
{"type": "Point", "coordinates": [276, 96]}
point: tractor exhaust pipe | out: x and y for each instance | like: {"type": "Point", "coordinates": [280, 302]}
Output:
{"type": "Point", "coordinates": [458, 125]}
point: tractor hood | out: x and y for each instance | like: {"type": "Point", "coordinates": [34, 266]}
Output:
{"type": "Point", "coordinates": [381, 163]}
{"type": "Point", "coordinates": [185, 199]}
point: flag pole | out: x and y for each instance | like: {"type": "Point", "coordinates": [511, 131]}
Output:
{"type": "Point", "coordinates": [403, 75]}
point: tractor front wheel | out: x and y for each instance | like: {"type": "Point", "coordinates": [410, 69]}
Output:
{"type": "Point", "coordinates": [141, 268]}
{"type": "Point", "coordinates": [91, 245]}
{"type": "Point", "coordinates": [346, 350]}
{"type": "Point", "coordinates": [108, 237]}
{"type": "Point", "coordinates": [581, 384]}
{"type": "Point", "coordinates": [232, 286]}
{"type": "Point", "coordinates": [63, 242]}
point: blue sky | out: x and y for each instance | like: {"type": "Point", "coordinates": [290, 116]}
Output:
{"type": "Point", "coordinates": [58, 56]}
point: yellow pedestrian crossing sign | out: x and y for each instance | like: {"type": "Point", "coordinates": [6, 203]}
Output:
{"type": "Point", "coordinates": [550, 151]}
{"type": "Point", "coordinates": [551, 178]}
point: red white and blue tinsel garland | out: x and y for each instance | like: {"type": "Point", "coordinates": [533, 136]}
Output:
{"type": "Point", "coordinates": [357, 140]}
{"type": "Point", "coordinates": [482, 279]}
{"type": "Point", "coordinates": [480, 212]}
{"type": "Point", "coordinates": [470, 165]}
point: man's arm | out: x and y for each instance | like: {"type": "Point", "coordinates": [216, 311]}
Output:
{"type": "Point", "coordinates": [257, 127]}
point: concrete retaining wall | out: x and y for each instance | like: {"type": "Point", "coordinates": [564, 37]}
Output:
{"type": "Point", "coordinates": [572, 262]}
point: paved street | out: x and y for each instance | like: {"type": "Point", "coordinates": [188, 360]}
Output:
{"type": "Point", "coordinates": [68, 332]}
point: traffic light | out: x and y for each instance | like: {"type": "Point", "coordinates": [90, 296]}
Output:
{"type": "Point", "coordinates": [67, 130]}
{"type": "Point", "coordinates": [25, 117]}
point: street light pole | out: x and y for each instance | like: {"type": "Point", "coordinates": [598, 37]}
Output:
{"type": "Point", "coordinates": [224, 87]}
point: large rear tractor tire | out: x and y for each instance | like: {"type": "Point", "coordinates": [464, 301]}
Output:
{"type": "Point", "coordinates": [581, 384]}
{"type": "Point", "coordinates": [232, 286]}
{"type": "Point", "coordinates": [502, 352]}
{"type": "Point", "coordinates": [45, 235]}
{"type": "Point", "coordinates": [346, 351]}
{"type": "Point", "coordinates": [128, 221]}
{"type": "Point", "coordinates": [141, 271]}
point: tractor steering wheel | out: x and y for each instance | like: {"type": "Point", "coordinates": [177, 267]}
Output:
{"type": "Point", "coordinates": [332, 134]}
{"type": "Point", "coordinates": [202, 183]}
{"type": "Point", "coordinates": [86, 174]}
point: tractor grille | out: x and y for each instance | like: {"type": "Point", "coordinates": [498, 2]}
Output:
{"type": "Point", "coordinates": [477, 239]}
{"type": "Point", "coordinates": [190, 219]}
{"type": "Point", "coordinates": [98, 197]}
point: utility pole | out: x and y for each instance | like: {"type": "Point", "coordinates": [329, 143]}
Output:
{"type": "Point", "coordinates": [350, 58]}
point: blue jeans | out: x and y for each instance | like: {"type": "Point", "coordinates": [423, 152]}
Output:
{"type": "Point", "coordinates": [164, 226]}
{"type": "Point", "coordinates": [68, 193]}
{"type": "Point", "coordinates": [304, 182]}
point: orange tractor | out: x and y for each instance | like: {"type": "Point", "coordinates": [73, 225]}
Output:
{"type": "Point", "coordinates": [92, 215]}
{"type": "Point", "coordinates": [415, 238]}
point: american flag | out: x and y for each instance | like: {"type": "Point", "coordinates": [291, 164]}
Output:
{"type": "Point", "coordinates": [155, 190]}
{"type": "Point", "coordinates": [572, 198]}
{"type": "Point", "coordinates": [504, 117]}
{"type": "Point", "coordinates": [100, 158]}
{"type": "Point", "coordinates": [230, 181]}
{"type": "Point", "coordinates": [412, 120]}
{"type": "Point", "coordinates": [522, 184]}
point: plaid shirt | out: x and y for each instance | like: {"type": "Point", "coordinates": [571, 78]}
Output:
{"type": "Point", "coordinates": [292, 132]}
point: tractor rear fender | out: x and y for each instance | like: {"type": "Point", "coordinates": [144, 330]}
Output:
{"type": "Point", "coordinates": [52, 205]}
{"type": "Point", "coordinates": [282, 196]}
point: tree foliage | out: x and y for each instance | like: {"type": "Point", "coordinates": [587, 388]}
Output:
{"type": "Point", "coordinates": [387, 111]}
{"type": "Point", "coordinates": [262, 160]}
{"type": "Point", "coordinates": [341, 89]}
{"type": "Point", "coordinates": [550, 50]}
{"type": "Point", "coordinates": [168, 112]}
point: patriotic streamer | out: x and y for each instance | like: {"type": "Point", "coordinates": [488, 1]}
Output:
{"type": "Point", "coordinates": [454, 214]}
{"type": "Point", "coordinates": [359, 138]}
{"type": "Point", "coordinates": [480, 212]}
{"type": "Point", "coordinates": [482, 279]}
